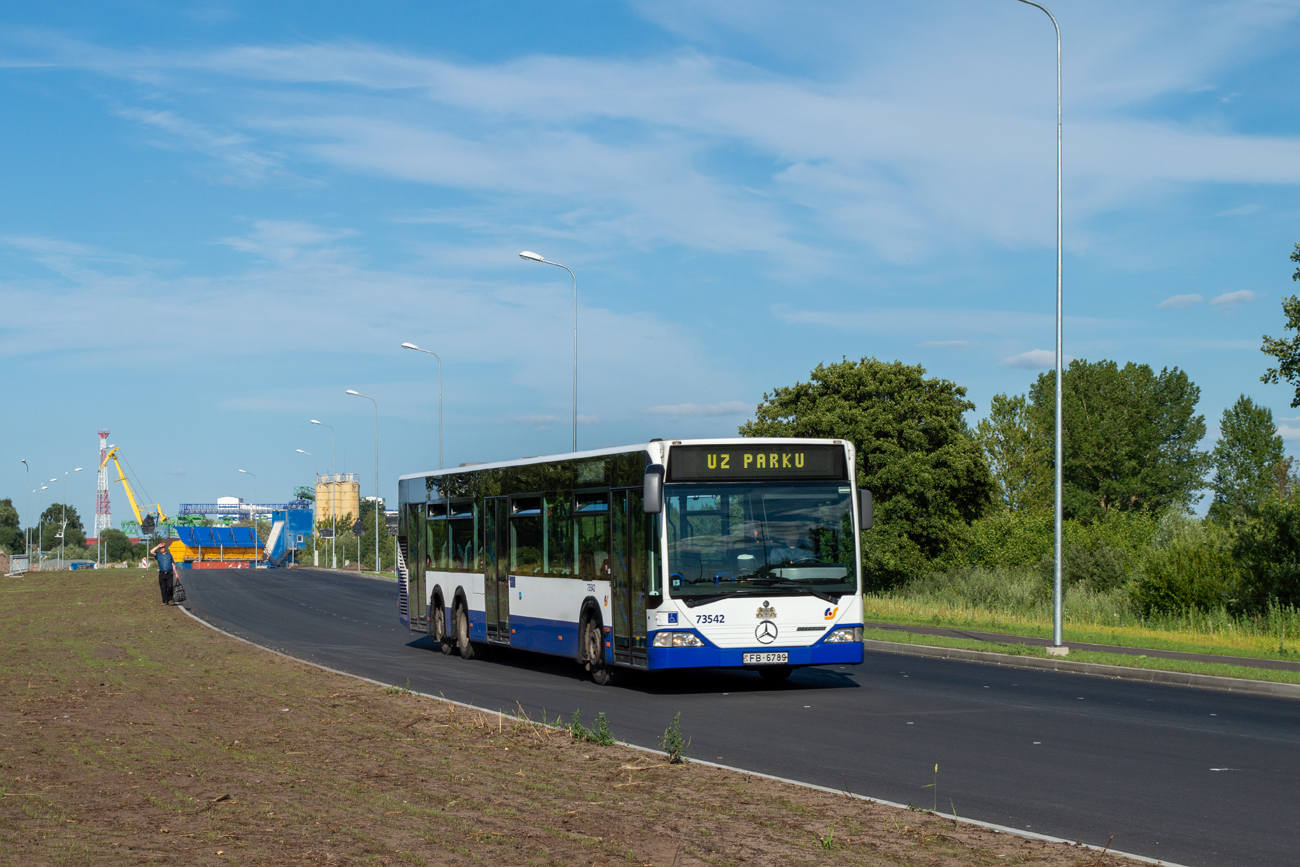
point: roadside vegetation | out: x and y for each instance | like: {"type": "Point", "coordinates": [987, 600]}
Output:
{"type": "Point", "coordinates": [963, 516]}
{"type": "Point", "coordinates": [136, 735]}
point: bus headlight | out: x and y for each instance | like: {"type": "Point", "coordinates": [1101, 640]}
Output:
{"type": "Point", "coordinates": [845, 635]}
{"type": "Point", "coordinates": [677, 639]}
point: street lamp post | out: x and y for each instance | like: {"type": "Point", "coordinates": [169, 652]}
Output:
{"type": "Point", "coordinates": [334, 510]}
{"type": "Point", "coordinates": [315, 560]}
{"type": "Point", "coordinates": [376, 508]}
{"type": "Point", "coordinates": [435, 355]}
{"type": "Point", "coordinates": [534, 257]}
{"type": "Point", "coordinates": [40, 527]}
{"type": "Point", "coordinates": [252, 507]}
{"type": "Point", "coordinates": [1057, 638]}
{"type": "Point", "coordinates": [27, 532]}
{"type": "Point", "coordinates": [63, 532]}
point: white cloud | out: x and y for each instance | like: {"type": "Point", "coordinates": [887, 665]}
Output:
{"type": "Point", "coordinates": [1179, 302]}
{"type": "Point", "coordinates": [1288, 428]}
{"type": "Point", "coordinates": [1232, 299]}
{"type": "Point", "coordinates": [883, 147]}
{"type": "Point", "coordinates": [731, 407]}
{"type": "Point", "coordinates": [1035, 359]}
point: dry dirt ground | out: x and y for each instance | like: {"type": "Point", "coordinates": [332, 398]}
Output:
{"type": "Point", "coordinates": [130, 734]}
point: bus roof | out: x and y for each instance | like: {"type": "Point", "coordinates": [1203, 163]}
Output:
{"type": "Point", "coordinates": [618, 450]}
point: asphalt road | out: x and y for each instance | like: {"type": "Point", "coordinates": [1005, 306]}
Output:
{"type": "Point", "coordinates": [1191, 776]}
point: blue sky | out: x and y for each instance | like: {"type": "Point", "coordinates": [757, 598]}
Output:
{"type": "Point", "coordinates": [218, 217]}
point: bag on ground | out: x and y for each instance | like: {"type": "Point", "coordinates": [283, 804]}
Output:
{"type": "Point", "coordinates": [178, 592]}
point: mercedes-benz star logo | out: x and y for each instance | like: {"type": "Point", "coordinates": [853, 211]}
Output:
{"type": "Point", "coordinates": [766, 632]}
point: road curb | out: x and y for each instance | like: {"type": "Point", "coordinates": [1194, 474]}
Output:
{"type": "Point", "coordinates": [1092, 669]}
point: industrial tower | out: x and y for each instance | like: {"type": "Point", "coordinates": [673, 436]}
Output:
{"type": "Point", "coordinates": [101, 498]}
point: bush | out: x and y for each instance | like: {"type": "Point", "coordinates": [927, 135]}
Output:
{"type": "Point", "coordinates": [1268, 551]}
{"type": "Point", "coordinates": [1190, 567]}
{"type": "Point", "coordinates": [1011, 539]}
{"type": "Point", "coordinates": [1100, 568]}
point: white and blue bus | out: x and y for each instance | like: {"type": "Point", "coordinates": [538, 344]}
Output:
{"type": "Point", "coordinates": [731, 553]}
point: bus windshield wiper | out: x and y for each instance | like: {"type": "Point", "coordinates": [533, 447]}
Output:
{"type": "Point", "coordinates": [796, 585]}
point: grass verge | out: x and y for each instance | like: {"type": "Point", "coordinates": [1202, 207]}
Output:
{"type": "Point", "coordinates": [1147, 662]}
{"type": "Point", "coordinates": [130, 734]}
{"type": "Point", "coordinates": [1226, 639]}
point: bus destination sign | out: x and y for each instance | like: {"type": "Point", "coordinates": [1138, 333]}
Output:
{"type": "Point", "coordinates": [736, 463]}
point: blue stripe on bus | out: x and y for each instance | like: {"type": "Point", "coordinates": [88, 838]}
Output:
{"type": "Point", "coordinates": [557, 637]}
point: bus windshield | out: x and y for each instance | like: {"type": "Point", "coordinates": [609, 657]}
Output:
{"type": "Point", "coordinates": [737, 539]}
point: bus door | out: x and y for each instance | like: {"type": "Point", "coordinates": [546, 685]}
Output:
{"type": "Point", "coordinates": [628, 585]}
{"type": "Point", "coordinates": [418, 550]}
{"type": "Point", "coordinates": [496, 569]}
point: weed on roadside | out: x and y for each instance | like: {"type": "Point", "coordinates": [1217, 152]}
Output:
{"type": "Point", "coordinates": [674, 744]}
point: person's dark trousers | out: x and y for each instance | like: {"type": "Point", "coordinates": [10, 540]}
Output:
{"type": "Point", "coordinates": [166, 584]}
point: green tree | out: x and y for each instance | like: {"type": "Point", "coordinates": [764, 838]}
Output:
{"type": "Point", "coordinates": [1268, 552]}
{"type": "Point", "coordinates": [117, 545]}
{"type": "Point", "coordinates": [11, 530]}
{"type": "Point", "coordinates": [1018, 455]}
{"type": "Point", "coordinates": [915, 454]}
{"type": "Point", "coordinates": [1245, 459]}
{"type": "Point", "coordinates": [1130, 437]}
{"type": "Point", "coordinates": [1286, 349]}
{"type": "Point", "coordinates": [52, 519]}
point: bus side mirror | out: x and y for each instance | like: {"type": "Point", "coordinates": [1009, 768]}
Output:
{"type": "Point", "coordinates": [652, 490]}
{"type": "Point", "coordinates": [864, 509]}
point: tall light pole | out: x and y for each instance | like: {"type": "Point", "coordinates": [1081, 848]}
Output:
{"type": "Point", "coordinates": [314, 558]}
{"type": "Point", "coordinates": [1057, 606]}
{"type": "Point", "coordinates": [376, 508]}
{"type": "Point", "coordinates": [27, 534]}
{"type": "Point", "coordinates": [435, 355]}
{"type": "Point", "coordinates": [253, 505]}
{"type": "Point", "coordinates": [63, 532]}
{"type": "Point", "coordinates": [334, 510]}
{"type": "Point", "coordinates": [40, 527]}
{"type": "Point", "coordinates": [534, 257]}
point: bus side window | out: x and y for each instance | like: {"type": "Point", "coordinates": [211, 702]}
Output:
{"type": "Point", "coordinates": [557, 551]}
{"type": "Point", "coordinates": [591, 535]}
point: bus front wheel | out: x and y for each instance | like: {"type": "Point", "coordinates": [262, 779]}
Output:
{"type": "Point", "coordinates": [593, 651]}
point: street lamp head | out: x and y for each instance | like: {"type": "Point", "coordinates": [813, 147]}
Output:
{"type": "Point", "coordinates": [357, 393]}
{"type": "Point", "coordinates": [245, 472]}
{"type": "Point", "coordinates": [409, 346]}
{"type": "Point", "coordinates": [529, 254]}
{"type": "Point", "coordinates": [301, 452]}
{"type": "Point", "coordinates": [313, 421]}
{"type": "Point", "coordinates": [77, 470]}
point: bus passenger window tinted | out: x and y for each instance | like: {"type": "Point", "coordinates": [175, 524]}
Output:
{"type": "Point", "coordinates": [462, 533]}
{"type": "Point", "coordinates": [557, 554]}
{"type": "Point", "coordinates": [435, 551]}
{"type": "Point", "coordinates": [591, 535]}
{"type": "Point", "coordinates": [526, 537]}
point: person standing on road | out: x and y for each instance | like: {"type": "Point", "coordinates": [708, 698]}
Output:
{"type": "Point", "coordinates": [166, 571]}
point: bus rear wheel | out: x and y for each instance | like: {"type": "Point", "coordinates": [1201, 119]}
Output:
{"type": "Point", "coordinates": [439, 629]}
{"type": "Point", "coordinates": [467, 648]}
